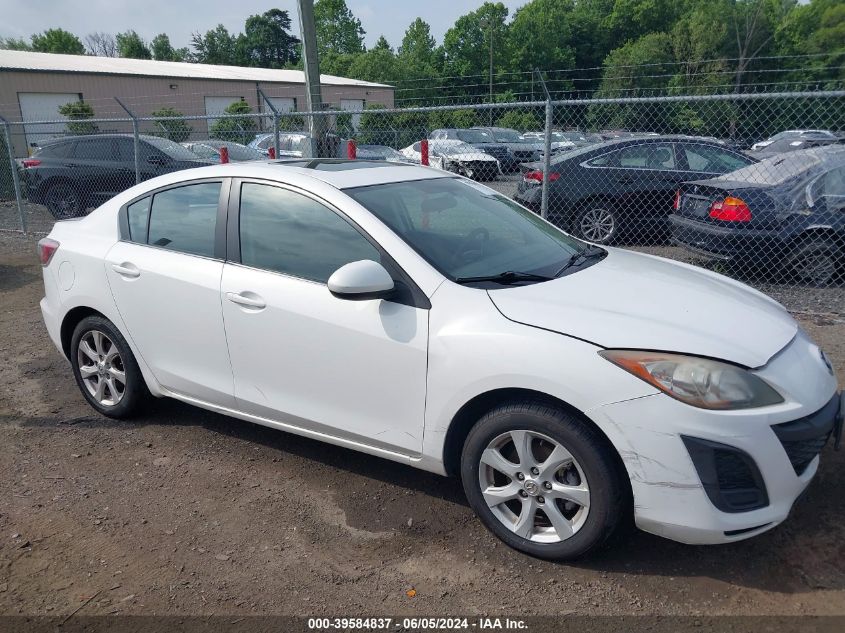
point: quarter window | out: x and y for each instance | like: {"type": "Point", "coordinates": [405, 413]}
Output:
{"type": "Point", "coordinates": [184, 219]}
{"type": "Point", "coordinates": [712, 160]}
{"type": "Point", "coordinates": [286, 232]}
{"type": "Point", "coordinates": [139, 220]}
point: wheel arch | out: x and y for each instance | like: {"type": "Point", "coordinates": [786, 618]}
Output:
{"type": "Point", "coordinates": [814, 232]}
{"type": "Point", "coordinates": [71, 320]}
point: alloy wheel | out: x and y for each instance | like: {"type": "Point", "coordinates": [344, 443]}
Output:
{"type": "Point", "coordinates": [597, 225]}
{"type": "Point", "coordinates": [534, 486]}
{"type": "Point", "coordinates": [817, 268]}
{"type": "Point", "coordinates": [63, 201]}
{"type": "Point", "coordinates": [101, 368]}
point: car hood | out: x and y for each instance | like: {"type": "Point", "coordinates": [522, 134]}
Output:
{"type": "Point", "coordinates": [631, 300]}
{"type": "Point", "coordinates": [473, 156]}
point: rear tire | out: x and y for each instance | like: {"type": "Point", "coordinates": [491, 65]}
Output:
{"type": "Point", "coordinates": [105, 369]}
{"type": "Point", "coordinates": [544, 481]}
{"type": "Point", "coordinates": [816, 262]}
{"type": "Point", "coordinates": [597, 223]}
{"type": "Point", "coordinates": [63, 200]}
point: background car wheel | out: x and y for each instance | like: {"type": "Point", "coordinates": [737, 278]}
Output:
{"type": "Point", "coordinates": [106, 370]}
{"type": "Point", "coordinates": [63, 201]}
{"type": "Point", "coordinates": [544, 481]}
{"type": "Point", "coordinates": [816, 262]}
{"type": "Point", "coordinates": [598, 223]}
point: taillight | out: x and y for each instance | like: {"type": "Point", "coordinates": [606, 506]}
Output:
{"type": "Point", "coordinates": [30, 162]}
{"type": "Point", "coordinates": [730, 210]}
{"type": "Point", "coordinates": [677, 204]}
{"type": "Point", "coordinates": [537, 176]}
{"type": "Point", "coordinates": [46, 249]}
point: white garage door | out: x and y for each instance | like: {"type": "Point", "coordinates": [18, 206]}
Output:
{"type": "Point", "coordinates": [354, 105]}
{"type": "Point", "coordinates": [218, 105]}
{"type": "Point", "coordinates": [282, 104]}
{"type": "Point", "coordinates": [44, 106]}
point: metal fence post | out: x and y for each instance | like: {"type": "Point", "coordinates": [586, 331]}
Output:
{"type": "Point", "coordinates": [547, 146]}
{"type": "Point", "coordinates": [275, 120]}
{"type": "Point", "coordinates": [15, 177]}
{"type": "Point", "coordinates": [136, 135]}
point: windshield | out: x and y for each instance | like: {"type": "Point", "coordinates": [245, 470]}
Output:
{"type": "Point", "coordinates": [507, 136]}
{"type": "Point", "coordinates": [173, 150]}
{"type": "Point", "coordinates": [573, 136]}
{"type": "Point", "coordinates": [474, 136]}
{"type": "Point", "coordinates": [467, 230]}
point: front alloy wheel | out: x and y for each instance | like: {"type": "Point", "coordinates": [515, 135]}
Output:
{"type": "Point", "coordinates": [597, 225]}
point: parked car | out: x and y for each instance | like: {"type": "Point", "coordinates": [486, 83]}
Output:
{"type": "Point", "coordinates": [382, 152]}
{"type": "Point", "coordinates": [290, 144]}
{"type": "Point", "coordinates": [784, 145]}
{"type": "Point", "coordinates": [786, 213]}
{"type": "Point", "coordinates": [481, 141]}
{"type": "Point", "coordinates": [74, 173]}
{"type": "Point", "coordinates": [210, 150]}
{"type": "Point", "coordinates": [792, 135]}
{"type": "Point", "coordinates": [560, 141]}
{"type": "Point", "coordinates": [423, 318]}
{"type": "Point", "coordinates": [624, 189]}
{"type": "Point", "coordinates": [458, 157]}
{"type": "Point", "coordinates": [522, 150]}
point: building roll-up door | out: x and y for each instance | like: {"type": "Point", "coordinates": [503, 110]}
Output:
{"type": "Point", "coordinates": [44, 106]}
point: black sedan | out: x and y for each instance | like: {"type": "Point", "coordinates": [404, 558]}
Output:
{"type": "Point", "coordinates": [624, 189]}
{"type": "Point", "coordinates": [75, 173]}
{"type": "Point", "coordinates": [786, 214]}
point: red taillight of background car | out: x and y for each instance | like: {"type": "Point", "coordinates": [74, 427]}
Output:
{"type": "Point", "coordinates": [532, 177]}
{"type": "Point", "coordinates": [677, 204]}
{"type": "Point", "coordinates": [46, 249]}
{"type": "Point", "coordinates": [730, 210]}
{"type": "Point", "coordinates": [30, 162]}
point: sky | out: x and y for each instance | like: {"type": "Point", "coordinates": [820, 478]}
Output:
{"type": "Point", "coordinates": [180, 18]}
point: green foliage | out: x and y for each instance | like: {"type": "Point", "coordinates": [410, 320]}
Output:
{"type": "Point", "coordinates": [521, 120]}
{"type": "Point", "coordinates": [15, 44]}
{"type": "Point", "coordinates": [172, 125]}
{"type": "Point", "coordinates": [465, 117]}
{"type": "Point", "coordinates": [130, 44]}
{"type": "Point", "coordinates": [238, 129]}
{"type": "Point", "coordinates": [467, 44]}
{"type": "Point", "coordinates": [162, 50]}
{"type": "Point", "coordinates": [266, 42]}
{"type": "Point", "coordinates": [77, 112]}
{"type": "Point", "coordinates": [338, 30]}
{"type": "Point", "coordinates": [216, 46]}
{"type": "Point", "coordinates": [57, 41]}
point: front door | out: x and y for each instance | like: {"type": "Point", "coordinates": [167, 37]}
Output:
{"type": "Point", "coordinates": [349, 369]}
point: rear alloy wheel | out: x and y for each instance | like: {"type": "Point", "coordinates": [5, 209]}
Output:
{"type": "Point", "coordinates": [598, 224]}
{"type": "Point", "coordinates": [543, 480]}
{"type": "Point", "coordinates": [816, 262]}
{"type": "Point", "coordinates": [63, 201]}
{"type": "Point", "coordinates": [105, 369]}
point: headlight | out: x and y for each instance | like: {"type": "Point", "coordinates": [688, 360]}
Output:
{"type": "Point", "coordinates": [700, 382]}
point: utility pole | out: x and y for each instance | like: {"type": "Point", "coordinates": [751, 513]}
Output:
{"type": "Point", "coordinates": [488, 21]}
{"type": "Point", "coordinates": [311, 64]}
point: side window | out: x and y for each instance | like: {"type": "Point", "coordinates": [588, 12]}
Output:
{"type": "Point", "coordinates": [287, 232]}
{"type": "Point", "coordinates": [94, 149]}
{"type": "Point", "coordinates": [55, 150]}
{"type": "Point", "coordinates": [831, 189]}
{"type": "Point", "coordinates": [602, 161]}
{"type": "Point", "coordinates": [184, 219]}
{"type": "Point", "coordinates": [417, 146]}
{"type": "Point", "coordinates": [139, 220]}
{"type": "Point", "coordinates": [712, 160]}
{"type": "Point", "coordinates": [647, 156]}
{"type": "Point", "coordinates": [125, 149]}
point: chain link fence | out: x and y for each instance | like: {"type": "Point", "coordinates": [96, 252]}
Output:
{"type": "Point", "coordinates": [752, 185]}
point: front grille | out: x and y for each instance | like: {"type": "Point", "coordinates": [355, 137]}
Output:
{"type": "Point", "coordinates": [805, 438]}
{"type": "Point", "coordinates": [728, 475]}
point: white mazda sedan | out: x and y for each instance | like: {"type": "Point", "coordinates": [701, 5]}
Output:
{"type": "Point", "coordinates": [418, 316]}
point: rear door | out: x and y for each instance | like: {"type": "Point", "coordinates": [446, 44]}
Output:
{"type": "Point", "coordinates": [164, 274]}
{"type": "Point", "coordinates": [96, 169]}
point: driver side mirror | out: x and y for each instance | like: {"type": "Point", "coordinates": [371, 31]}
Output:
{"type": "Point", "coordinates": [362, 280]}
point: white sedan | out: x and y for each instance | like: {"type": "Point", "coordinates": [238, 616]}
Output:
{"type": "Point", "coordinates": [458, 157]}
{"type": "Point", "coordinates": [420, 317]}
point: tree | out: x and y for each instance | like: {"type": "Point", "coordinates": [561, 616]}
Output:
{"type": "Point", "coordinates": [57, 41]}
{"type": "Point", "coordinates": [172, 125]}
{"type": "Point", "coordinates": [377, 64]}
{"type": "Point", "coordinates": [162, 50]}
{"type": "Point", "coordinates": [267, 42]}
{"type": "Point", "coordinates": [520, 120]}
{"type": "Point", "coordinates": [77, 112]}
{"type": "Point", "coordinates": [419, 62]}
{"type": "Point", "coordinates": [101, 44]}
{"type": "Point", "coordinates": [338, 30]}
{"type": "Point", "coordinates": [15, 44]}
{"type": "Point", "coordinates": [234, 126]}
{"type": "Point", "coordinates": [753, 26]}
{"type": "Point", "coordinates": [217, 46]}
{"type": "Point", "coordinates": [130, 44]}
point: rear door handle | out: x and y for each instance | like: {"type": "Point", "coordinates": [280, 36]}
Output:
{"type": "Point", "coordinates": [126, 269]}
{"type": "Point", "coordinates": [249, 300]}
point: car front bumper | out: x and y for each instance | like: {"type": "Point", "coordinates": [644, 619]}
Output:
{"type": "Point", "coordinates": [776, 448]}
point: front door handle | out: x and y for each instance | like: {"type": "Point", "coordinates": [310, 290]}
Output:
{"type": "Point", "coordinates": [126, 269]}
{"type": "Point", "coordinates": [247, 299]}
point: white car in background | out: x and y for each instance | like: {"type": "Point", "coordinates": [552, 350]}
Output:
{"type": "Point", "coordinates": [418, 316]}
{"type": "Point", "coordinates": [793, 134]}
{"type": "Point", "coordinates": [458, 157]}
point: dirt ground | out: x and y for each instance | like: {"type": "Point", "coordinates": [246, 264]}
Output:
{"type": "Point", "coordinates": [188, 512]}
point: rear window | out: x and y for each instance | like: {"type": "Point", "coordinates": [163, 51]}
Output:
{"type": "Point", "coordinates": [55, 150]}
{"type": "Point", "coordinates": [171, 149]}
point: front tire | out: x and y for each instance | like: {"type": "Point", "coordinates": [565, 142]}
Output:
{"type": "Point", "coordinates": [544, 481]}
{"type": "Point", "coordinates": [105, 369]}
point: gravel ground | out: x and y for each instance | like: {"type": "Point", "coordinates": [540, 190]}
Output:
{"type": "Point", "coordinates": [185, 511]}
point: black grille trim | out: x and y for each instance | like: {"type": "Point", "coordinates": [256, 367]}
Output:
{"type": "Point", "coordinates": [804, 438]}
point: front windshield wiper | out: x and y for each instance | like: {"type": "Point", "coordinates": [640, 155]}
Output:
{"type": "Point", "coordinates": [579, 257]}
{"type": "Point", "coordinates": [505, 278]}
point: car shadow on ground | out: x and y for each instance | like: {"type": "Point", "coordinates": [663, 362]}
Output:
{"type": "Point", "coordinates": [775, 561]}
